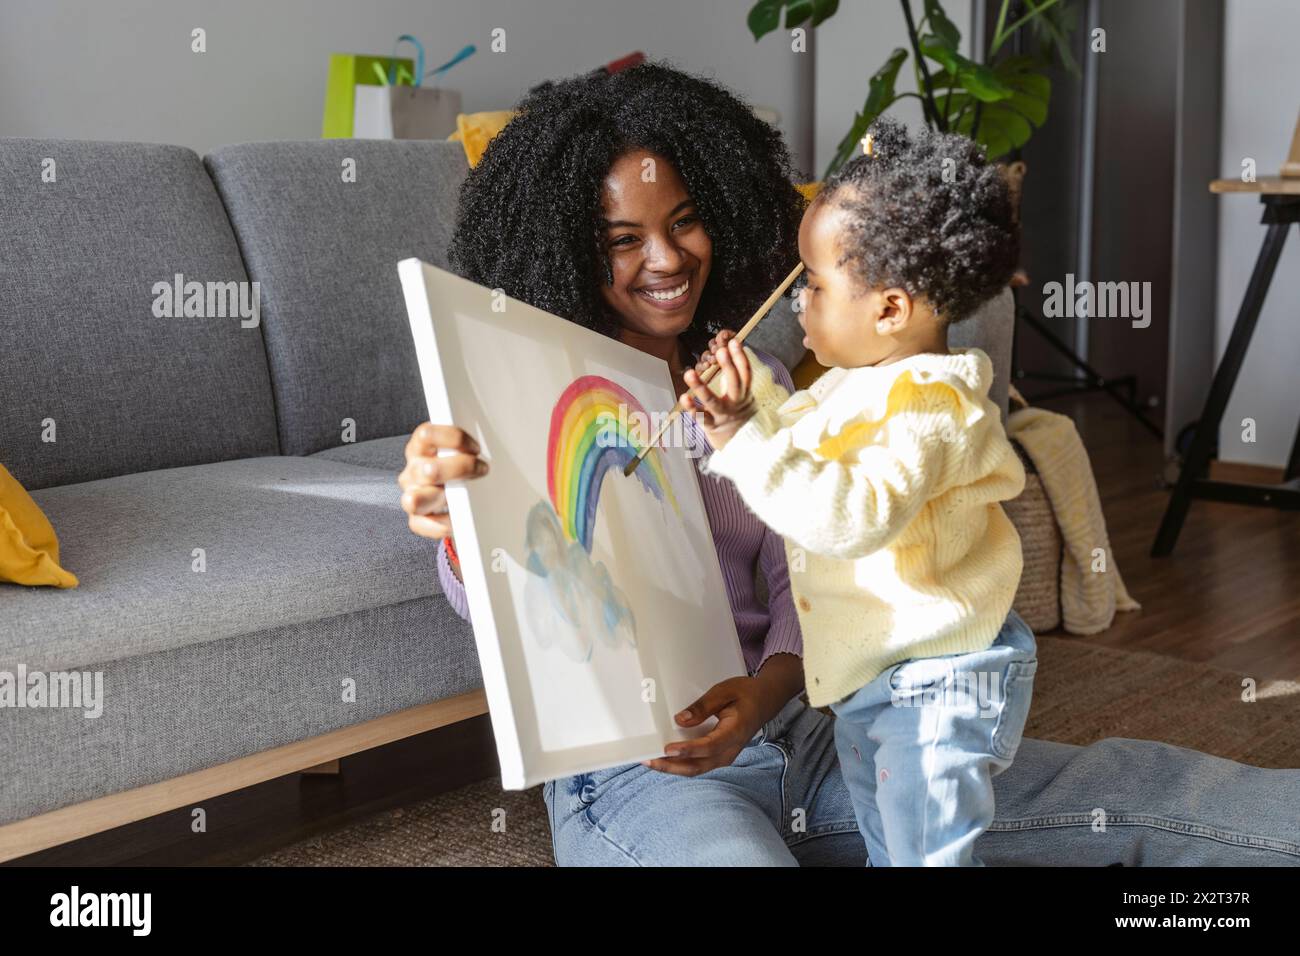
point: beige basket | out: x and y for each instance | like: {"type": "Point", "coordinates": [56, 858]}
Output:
{"type": "Point", "coordinates": [1038, 599]}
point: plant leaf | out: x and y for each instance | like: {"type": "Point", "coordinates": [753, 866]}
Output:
{"type": "Point", "coordinates": [882, 84]}
{"type": "Point", "coordinates": [823, 10]}
{"type": "Point", "coordinates": [1031, 108]}
{"type": "Point", "coordinates": [936, 49]}
{"type": "Point", "coordinates": [962, 101]}
{"type": "Point", "coordinates": [796, 12]}
{"type": "Point", "coordinates": [983, 83]}
{"type": "Point", "coordinates": [764, 17]}
{"type": "Point", "coordinates": [976, 78]}
{"type": "Point", "coordinates": [1032, 90]}
{"type": "Point", "coordinates": [943, 28]}
{"type": "Point", "coordinates": [1002, 129]}
{"type": "Point", "coordinates": [1052, 29]}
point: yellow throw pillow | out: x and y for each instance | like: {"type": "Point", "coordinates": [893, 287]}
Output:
{"type": "Point", "coordinates": [473, 130]}
{"type": "Point", "coordinates": [29, 550]}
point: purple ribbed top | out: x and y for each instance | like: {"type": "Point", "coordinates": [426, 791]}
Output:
{"type": "Point", "coordinates": [744, 545]}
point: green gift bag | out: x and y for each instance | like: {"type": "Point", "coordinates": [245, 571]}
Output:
{"type": "Point", "coordinates": [347, 72]}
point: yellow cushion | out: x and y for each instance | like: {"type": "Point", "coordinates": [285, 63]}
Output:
{"type": "Point", "coordinates": [29, 550]}
{"type": "Point", "coordinates": [473, 130]}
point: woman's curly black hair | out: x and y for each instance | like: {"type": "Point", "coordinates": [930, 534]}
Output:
{"type": "Point", "coordinates": [929, 214]}
{"type": "Point", "coordinates": [527, 221]}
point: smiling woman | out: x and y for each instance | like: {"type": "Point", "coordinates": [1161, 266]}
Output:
{"type": "Point", "coordinates": [603, 197]}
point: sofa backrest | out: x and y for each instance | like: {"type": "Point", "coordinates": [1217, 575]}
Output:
{"type": "Point", "coordinates": [94, 383]}
{"type": "Point", "coordinates": [322, 226]}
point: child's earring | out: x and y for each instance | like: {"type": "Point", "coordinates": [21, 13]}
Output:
{"type": "Point", "coordinates": [609, 273]}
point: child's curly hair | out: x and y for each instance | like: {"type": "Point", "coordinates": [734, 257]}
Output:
{"type": "Point", "coordinates": [528, 211]}
{"type": "Point", "coordinates": [929, 214]}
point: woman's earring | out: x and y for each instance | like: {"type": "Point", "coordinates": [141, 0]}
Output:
{"type": "Point", "coordinates": [609, 274]}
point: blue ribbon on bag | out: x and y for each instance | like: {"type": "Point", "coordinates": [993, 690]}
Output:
{"type": "Point", "coordinates": [467, 51]}
{"type": "Point", "coordinates": [397, 73]}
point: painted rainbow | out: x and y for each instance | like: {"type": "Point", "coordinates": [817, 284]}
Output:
{"type": "Point", "coordinates": [597, 425]}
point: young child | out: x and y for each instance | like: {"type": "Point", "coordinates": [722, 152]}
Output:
{"type": "Point", "coordinates": [885, 478]}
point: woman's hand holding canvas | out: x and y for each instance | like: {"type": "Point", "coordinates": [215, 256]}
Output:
{"type": "Point", "coordinates": [427, 470]}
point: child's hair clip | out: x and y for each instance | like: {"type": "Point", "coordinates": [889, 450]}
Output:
{"type": "Point", "coordinates": [868, 148]}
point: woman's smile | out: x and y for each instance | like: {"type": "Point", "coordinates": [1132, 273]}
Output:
{"type": "Point", "coordinates": [668, 295]}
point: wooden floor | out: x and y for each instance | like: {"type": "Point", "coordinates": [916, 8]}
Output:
{"type": "Point", "coordinates": [1229, 596]}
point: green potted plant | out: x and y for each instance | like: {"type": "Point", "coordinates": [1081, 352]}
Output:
{"type": "Point", "coordinates": [998, 102]}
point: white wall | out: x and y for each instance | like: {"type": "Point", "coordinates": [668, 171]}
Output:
{"type": "Point", "coordinates": [1261, 94]}
{"type": "Point", "coordinates": [123, 70]}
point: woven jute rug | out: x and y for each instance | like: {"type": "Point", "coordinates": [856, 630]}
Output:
{"type": "Point", "coordinates": [1082, 693]}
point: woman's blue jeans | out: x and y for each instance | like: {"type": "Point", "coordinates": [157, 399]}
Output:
{"type": "Point", "coordinates": [783, 802]}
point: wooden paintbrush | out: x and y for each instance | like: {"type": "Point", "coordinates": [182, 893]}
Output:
{"type": "Point", "coordinates": [712, 370]}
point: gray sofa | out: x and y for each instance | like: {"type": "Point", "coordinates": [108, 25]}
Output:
{"type": "Point", "coordinates": [240, 558]}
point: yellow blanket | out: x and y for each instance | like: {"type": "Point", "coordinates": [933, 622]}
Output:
{"type": "Point", "coordinates": [1091, 587]}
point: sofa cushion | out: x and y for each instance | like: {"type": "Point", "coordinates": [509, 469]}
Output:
{"type": "Point", "coordinates": [386, 454]}
{"type": "Point", "coordinates": [86, 362]}
{"type": "Point", "coordinates": [326, 254]}
{"type": "Point", "coordinates": [284, 541]}
{"type": "Point", "coordinates": [180, 710]}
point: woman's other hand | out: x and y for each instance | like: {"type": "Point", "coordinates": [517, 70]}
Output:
{"type": "Point", "coordinates": [739, 705]}
{"type": "Point", "coordinates": [426, 471]}
{"type": "Point", "coordinates": [742, 705]}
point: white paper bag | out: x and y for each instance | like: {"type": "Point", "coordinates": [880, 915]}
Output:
{"type": "Point", "coordinates": [404, 112]}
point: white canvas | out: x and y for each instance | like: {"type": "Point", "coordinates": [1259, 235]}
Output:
{"type": "Point", "coordinates": [598, 605]}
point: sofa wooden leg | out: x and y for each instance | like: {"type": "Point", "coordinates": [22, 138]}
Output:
{"type": "Point", "coordinates": [329, 766]}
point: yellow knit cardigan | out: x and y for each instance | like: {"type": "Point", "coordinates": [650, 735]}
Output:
{"type": "Point", "coordinates": [885, 482]}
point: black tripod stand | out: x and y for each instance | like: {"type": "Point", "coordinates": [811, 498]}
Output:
{"type": "Point", "coordinates": [1281, 209]}
{"type": "Point", "coordinates": [1122, 388]}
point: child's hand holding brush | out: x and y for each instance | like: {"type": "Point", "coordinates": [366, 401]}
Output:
{"type": "Point", "coordinates": [707, 360]}
{"type": "Point", "coordinates": [725, 413]}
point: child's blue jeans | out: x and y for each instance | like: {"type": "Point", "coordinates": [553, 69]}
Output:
{"type": "Point", "coordinates": [920, 745]}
